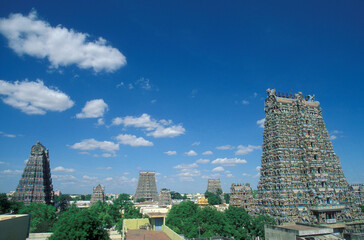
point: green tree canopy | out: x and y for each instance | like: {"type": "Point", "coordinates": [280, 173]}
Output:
{"type": "Point", "coordinates": [213, 198]}
{"type": "Point", "coordinates": [78, 224]}
{"type": "Point", "coordinates": [42, 216]}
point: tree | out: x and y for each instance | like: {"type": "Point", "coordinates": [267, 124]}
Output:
{"type": "Point", "coordinates": [213, 222]}
{"type": "Point", "coordinates": [182, 219]}
{"type": "Point", "coordinates": [227, 198]}
{"type": "Point", "coordinates": [62, 201]}
{"type": "Point", "coordinates": [213, 199]}
{"type": "Point", "coordinates": [176, 195]}
{"type": "Point", "coordinates": [42, 216]}
{"type": "Point", "coordinates": [241, 220]}
{"type": "Point", "coordinates": [4, 203]}
{"type": "Point", "coordinates": [78, 224]}
{"type": "Point", "coordinates": [258, 225]}
{"type": "Point", "coordinates": [140, 200]}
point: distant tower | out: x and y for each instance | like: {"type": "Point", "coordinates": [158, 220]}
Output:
{"type": "Point", "coordinates": [301, 176]}
{"type": "Point", "coordinates": [147, 187]}
{"type": "Point", "coordinates": [35, 184]}
{"type": "Point", "coordinates": [241, 196]}
{"type": "Point", "coordinates": [97, 195]}
{"type": "Point", "coordinates": [214, 186]}
{"type": "Point", "coordinates": [165, 197]}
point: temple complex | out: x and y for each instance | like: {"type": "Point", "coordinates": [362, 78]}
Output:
{"type": "Point", "coordinates": [97, 195]}
{"type": "Point", "coordinates": [358, 190]}
{"type": "Point", "coordinates": [301, 176]}
{"type": "Point", "coordinates": [165, 197]}
{"type": "Point", "coordinates": [35, 184]}
{"type": "Point", "coordinates": [147, 188]}
{"type": "Point", "coordinates": [241, 196]}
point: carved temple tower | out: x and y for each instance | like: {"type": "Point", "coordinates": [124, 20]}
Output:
{"type": "Point", "coordinates": [35, 184]}
{"type": "Point", "coordinates": [147, 188]}
{"type": "Point", "coordinates": [301, 176]}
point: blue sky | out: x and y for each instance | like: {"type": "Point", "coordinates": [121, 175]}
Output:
{"type": "Point", "coordinates": [115, 87]}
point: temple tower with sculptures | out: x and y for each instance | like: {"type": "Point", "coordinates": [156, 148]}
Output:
{"type": "Point", "coordinates": [301, 176]}
{"type": "Point", "coordinates": [147, 188]}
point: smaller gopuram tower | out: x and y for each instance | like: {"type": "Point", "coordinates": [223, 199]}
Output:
{"type": "Point", "coordinates": [165, 197]}
{"type": "Point", "coordinates": [147, 188]}
{"type": "Point", "coordinates": [35, 184]}
{"type": "Point", "coordinates": [241, 196]}
{"type": "Point", "coordinates": [214, 186]}
{"type": "Point", "coordinates": [97, 195]}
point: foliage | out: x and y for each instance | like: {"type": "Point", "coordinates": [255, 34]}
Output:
{"type": "Point", "coordinates": [42, 216]}
{"type": "Point", "coordinates": [362, 208]}
{"type": "Point", "coordinates": [178, 196]}
{"type": "Point", "coordinates": [9, 206]}
{"type": "Point", "coordinates": [62, 201]}
{"type": "Point", "coordinates": [227, 198]}
{"type": "Point", "coordinates": [213, 198]}
{"type": "Point", "coordinates": [140, 200]}
{"type": "Point", "coordinates": [78, 224]}
{"type": "Point", "coordinates": [188, 219]}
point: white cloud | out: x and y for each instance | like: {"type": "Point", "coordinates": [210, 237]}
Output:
{"type": "Point", "coordinates": [64, 177]}
{"type": "Point", "coordinates": [229, 175]}
{"type": "Point", "coordinates": [133, 141]}
{"type": "Point", "coordinates": [255, 94]}
{"type": "Point", "coordinates": [93, 109]}
{"type": "Point", "coordinates": [258, 168]}
{"type": "Point", "coordinates": [121, 84]}
{"type": "Point", "coordinates": [261, 123]}
{"type": "Point", "coordinates": [89, 178]}
{"type": "Point", "coordinates": [170, 153]}
{"type": "Point", "coordinates": [225, 147]}
{"type": "Point", "coordinates": [185, 166]}
{"type": "Point", "coordinates": [229, 161]}
{"type": "Point", "coordinates": [202, 161]}
{"type": "Point", "coordinates": [7, 135]}
{"type": "Point", "coordinates": [333, 137]}
{"type": "Point", "coordinates": [335, 134]}
{"type": "Point", "coordinates": [243, 150]}
{"type": "Point", "coordinates": [92, 144]}
{"type": "Point", "coordinates": [195, 143]}
{"type": "Point", "coordinates": [9, 171]}
{"type": "Point", "coordinates": [157, 129]}
{"type": "Point", "coordinates": [108, 155]}
{"type": "Point", "coordinates": [104, 168]}
{"type": "Point", "coordinates": [186, 179]}
{"type": "Point", "coordinates": [108, 179]}
{"type": "Point", "coordinates": [207, 153]}
{"type": "Point", "coordinates": [61, 46]}
{"type": "Point", "coordinates": [218, 169]}
{"type": "Point", "coordinates": [211, 176]}
{"type": "Point", "coordinates": [245, 175]}
{"type": "Point", "coordinates": [62, 169]}
{"type": "Point", "coordinates": [189, 172]}
{"type": "Point", "coordinates": [2, 163]}
{"type": "Point", "coordinates": [34, 97]}
{"type": "Point", "coordinates": [191, 153]}
{"type": "Point", "coordinates": [244, 102]}
{"type": "Point", "coordinates": [257, 175]}
{"type": "Point", "coordinates": [100, 122]}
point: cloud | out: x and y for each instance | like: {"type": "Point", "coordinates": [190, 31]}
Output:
{"type": "Point", "coordinates": [34, 97]}
{"type": "Point", "coordinates": [93, 109]}
{"type": "Point", "coordinates": [89, 178]}
{"type": "Point", "coordinates": [1, 163]}
{"type": "Point", "coordinates": [261, 123]}
{"type": "Point", "coordinates": [7, 135]}
{"type": "Point", "coordinates": [157, 129]}
{"type": "Point", "coordinates": [207, 153]}
{"type": "Point", "coordinates": [212, 176]}
{"type": "Point", "coordinates": [92, 144]}
{"type": "Point", "coordinates": [185, 166]}
{"type": "Point", "coordinates": [218, 169]}
{"type": "Point", "coordinates": [108, 179]}
{"type": "Point", "coordinates": [64, 177]}
{"type": "Point", "coordinates": [195, 143]}
{"type": "Point", "coordinates": [107, 155]}
{"type": "Point", "coordinates": [191, 153]}
{"type": "Point", "coordinates": [121, 84]}
{"type": "Point", "coordinates": [229, 175]}
{"type": "Point", "coordinates": [244, 102]}
{"type": "Point", "coordinates": [170, 153]}
{"type": "Point", "coordinates": [229, 161]}
{"type": "Point", "coordinates": [10, 172]}
{"type": "Point", "coordinates": [333, 137]}
{"type": "Point", "coordinates": [225, 147]}
{"type": "Point", "coordinates": [61, 46]}
{"type": "Point", "coordinates": [202, 161]}
{"type": "Point", "coordinates": [100, 122]}
{"type": "Point", "coordinates": [335, 134]}
{"type": "Point", "coordinates": [189, 172]}
{"type": "Point", "coordinates": [258, 168]}
{"type": "Point", "coordinates": [62, 169]}
{"type": "Point", "coordinates": [245, 175]}
{"type": "Point", "coordinates": [104, 168]}
{"type": "Point", "coordinates": [186, 179]}
{"type": "Point", "coordinates": [243, 150]}
{"type": "Point", "coordinates": [133, 141]}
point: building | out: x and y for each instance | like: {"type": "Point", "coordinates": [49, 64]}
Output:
{"type": "Point", "coordinates": [165, 197]}
{"type": "Point", "coordinates": [301, 176]}
{"type": "Point", "coordinates": [97, 195]}
{"type": "Point", "coordinates": [358, 190]}
{"type": "Point", "coordinates": [147, 188]}
{"type": "Point", "coordinates": [214, 186]}
{"type": "Point", "coordinates": [241, 196]}
{"type": "Point", "coordinates": [35, 184]}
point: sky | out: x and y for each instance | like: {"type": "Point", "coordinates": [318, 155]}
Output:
{"type": "Point", "coordinates": [115, 87]}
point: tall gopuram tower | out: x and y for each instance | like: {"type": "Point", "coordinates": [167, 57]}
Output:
{"type": "Point", "coordinates": [98, 194]}
{"type": "Point", "coordinates": [35, 184]}
{"type": "Point", "coordinates": [147, 187]}
{"type": "Point", "coordinates": [214, 186]}
{"type": "Point", "coordinates": [301, 176]}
